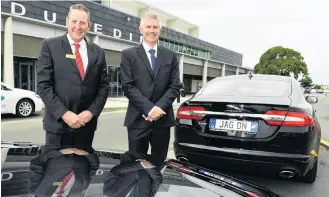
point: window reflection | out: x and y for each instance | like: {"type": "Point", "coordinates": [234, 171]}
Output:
{"type": "Point", "coordinates": [114, 81]}
{"type": "Point", "coordinates": [179, 47]}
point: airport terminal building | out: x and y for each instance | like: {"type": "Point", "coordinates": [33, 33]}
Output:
{"type": "Point", "coordinates": [24, 24]}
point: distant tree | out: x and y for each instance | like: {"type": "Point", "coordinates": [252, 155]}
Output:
{"type": "Point", "coordinates": [317, 87]}
{"type": "Point", "coordinates": [281, 61]}
{"type": "Point", "coordinates": [306, 81]}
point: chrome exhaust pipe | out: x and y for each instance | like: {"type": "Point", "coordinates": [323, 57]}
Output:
{"type": "Point", "coordinates": [183, 159]}
{"type": "Point", "coordinates": [288, 174]}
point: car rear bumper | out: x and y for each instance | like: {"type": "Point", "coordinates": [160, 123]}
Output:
{"type": "Point", "coordinates": [239, 159]}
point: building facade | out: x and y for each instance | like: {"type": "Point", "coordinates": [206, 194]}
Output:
{"type": "Point", "coordinates": [115, 27]}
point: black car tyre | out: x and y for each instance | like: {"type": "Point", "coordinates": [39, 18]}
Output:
{"type": "Point", "coordinates": [310, 177]}
{"type": "Point", "coordinates": [25, 108]}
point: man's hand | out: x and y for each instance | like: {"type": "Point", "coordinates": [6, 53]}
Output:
{"type": "Point", "coordinates": [72, 120]}
{"type": "Point", "coordinates": [85, 117]}
{"type": "Point", "coordinates": [80, 152]}
{"type": "Point", "coordinates": [145, 163]}
{"type": "Point", "coordinates": [67, 151]}
{"type": "Point", "coordinates": [156, 114]}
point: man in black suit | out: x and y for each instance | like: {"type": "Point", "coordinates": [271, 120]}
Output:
{"type": "Point", "coordinates": [72, 82]}
{"type": "Point", "coordinates": [135, 176]}
{"type": "Point", "coordinates": [150, 80]}
{"type": "Point", "coordinates": [65, 172]}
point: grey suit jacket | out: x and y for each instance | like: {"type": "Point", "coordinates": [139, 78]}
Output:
{"type": "Point", "coordinates": [61, 87]}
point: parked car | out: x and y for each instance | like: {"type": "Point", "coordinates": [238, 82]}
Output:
{"type": "Point", "coordinates": [308, 90]}
{"type": "Point", "coordinates": [254, 123]}
{"type": "Point", "coordinates": [22, 103]}
{"type": "Point", "coordinates": [179, 178]}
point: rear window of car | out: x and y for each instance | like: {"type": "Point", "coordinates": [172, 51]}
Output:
{"type": "Point", "coordinates": [238, 87]}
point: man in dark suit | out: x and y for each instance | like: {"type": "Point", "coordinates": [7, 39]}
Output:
{"type": "Point", "coordinates": [65, 172]}
{"type": "Point", "coordinates": [72, 82]}
{"type": "Point", "coordinates": [135, 176]}
{"type": "Point", "coordinates": [150, 80]}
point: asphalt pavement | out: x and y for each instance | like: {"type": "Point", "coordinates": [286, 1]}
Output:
{"type": "Point", "coordinates": [322, 112]}
{"type": "Point", "coordinates": [111, 134]}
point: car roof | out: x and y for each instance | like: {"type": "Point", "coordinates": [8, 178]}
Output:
{"type": "Point", "coordinates": [257, 77]}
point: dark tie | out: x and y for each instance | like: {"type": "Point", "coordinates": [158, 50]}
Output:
{"type": "Point", "coordinates": [79, 62]}
{"type": "Point", "coordinates": [153, 59]}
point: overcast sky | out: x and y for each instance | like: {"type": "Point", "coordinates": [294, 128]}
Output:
{"type": "Point", "coordinates": [251, 27]}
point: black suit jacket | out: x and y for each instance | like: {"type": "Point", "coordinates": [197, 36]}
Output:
{"type": "Point", "coordinates": [131, 176]}
{"type": "Point", "coordinates": [61, 87]}
{"type": "Point", "coordinates": [53, 166]}
{"type": "Point", "coordinates": [146, 89]}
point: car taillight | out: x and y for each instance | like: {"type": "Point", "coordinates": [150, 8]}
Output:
{"type": "Point", "coordinates": [179, 167]}
{"type": "Point", "coordinates": [184, 112]}
{"type": "Point", "coordinates": [252, 194]}
{"type": "Point", "coordinates": [292, 119]}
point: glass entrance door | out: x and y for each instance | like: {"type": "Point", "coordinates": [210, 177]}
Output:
{"type": "Point", "coordinates": [115, 81]}
{"type": "Point", "coordinates": [25, 73]}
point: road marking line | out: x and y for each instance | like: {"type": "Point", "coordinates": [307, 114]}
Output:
{"type": "Point", "coordinates": [323, 97]}
{"type": "Point", "coordinates": [324, 143]}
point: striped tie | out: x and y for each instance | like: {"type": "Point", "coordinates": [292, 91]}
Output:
{"type": "Point", "coordinates": [66, 186]}
{"type": "Point", "coordinates": [79, 62]}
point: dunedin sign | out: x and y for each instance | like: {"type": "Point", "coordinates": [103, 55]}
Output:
{"type": "Point", "coordinates": [20, 10]}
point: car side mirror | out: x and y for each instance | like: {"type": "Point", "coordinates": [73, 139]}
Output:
{"type": "Point", "coordinates": [4, 88]}
{"type": "Point", "coordinates": [312, 99]}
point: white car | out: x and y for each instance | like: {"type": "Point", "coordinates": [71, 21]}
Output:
{"type": "Point", "coordinates": [20, 102]}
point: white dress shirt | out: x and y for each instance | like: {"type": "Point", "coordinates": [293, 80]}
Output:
{"type": "Point", "coordinates": [82, 50]}
{"type": "Point", "coordinates": [147, 50]}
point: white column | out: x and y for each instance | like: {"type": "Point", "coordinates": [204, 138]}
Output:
{"type": "Point", "coordinates": [181, 67]}
{"type": "Point", "coordinates": [237, 70]}
{"type": "Point", "coordinates": [8, 53]}
{"type": "Point", "coordinates": [205, 72]}
{"type": "Point", "coordinates": [223, 70]}
{"type": "Point", "coordinates": [106, 3]}
{"type": "Point", "coordinates": [96, 39]}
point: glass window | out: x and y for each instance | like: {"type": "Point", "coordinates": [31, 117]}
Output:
{"type": "Point", "coordinates": [161, 43]}
{"type": "Point", "coordinates": [2, 67]}
{"type": "Point", "coordinates": [200, 53]}
{"type": "Point", "coordinates": [172, 45]}
{"type": "Point", "coordinates": [188, 50]}
{"type": "Point", "coordinates": [184, 49]}
{"type": "Point", "coordinates": [166, 44]}
{"type": "Point", "coordinates": [175, 47]}
{"type": "Point", "coordinates": [196, 52]}
{"type": "Point", "coordinates": [246, 87]}
{"type": "Point", "coordinates": [180, 48]}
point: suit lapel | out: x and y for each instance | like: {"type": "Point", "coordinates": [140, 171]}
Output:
{"type": "Point", "coordinates": [90, 52]}
{"type": "Point", "coordinates": [142, 54]}
{"type": "Point", "coordinates": [158, 61]}
{"type": "Point", "coordinates": [67, 48]}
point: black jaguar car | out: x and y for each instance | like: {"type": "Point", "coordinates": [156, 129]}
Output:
{"type": "Point", "coordinates": [251, 122]}
{"type": "Point", "coordinates": [26, 172]}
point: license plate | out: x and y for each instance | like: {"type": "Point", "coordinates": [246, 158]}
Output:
{"type": "Point", "coordinates": [233, 125]}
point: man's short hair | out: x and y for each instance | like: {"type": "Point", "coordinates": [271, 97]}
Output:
{"type": "Point", "coordinates": [149, 15]}
{"type": "Point", "coordinates": [80, 7]}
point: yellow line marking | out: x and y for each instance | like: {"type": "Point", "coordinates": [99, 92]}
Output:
{"type": "Point", "coordinates": [324, 142]}
{"type": "Point", "coordinates": [314, 153]}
